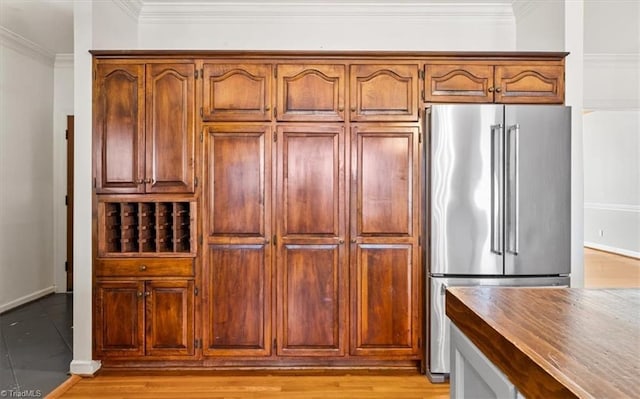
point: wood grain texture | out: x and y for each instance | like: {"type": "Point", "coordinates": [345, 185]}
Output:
{"type": "Point", "coordinates": [184, 385]}
{"type": "Point", "coordinates": [555, 342]}
{"type": "Point", "coordinates": [607, 270]}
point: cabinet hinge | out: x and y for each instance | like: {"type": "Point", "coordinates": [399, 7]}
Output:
{"type": "Point", "coordinates": [419, 137]}
{"type": "Point", "coordinates": [275, 343]}
{"type": "Point", "coordinates": [196, 74]}
{"type": "Point", "coordinates": [66, 134]}
{"type": "Point", "coordinates": [422, 94]}
{"type": "Point", "coordinates": [94, 183]}
{"type": "Point", "coordinates": [200, 240]}
{"type": "Point", "coordinates": [419, 241]}
{"type": "Point", "coordinates": [275, 240]}
{"type": "Point", "coordinates": [201, 112]}
{"type": "Point", "coordinates": [421, 73]}
{"type": "Point", "coordinates": [198, 343]}
{"type": "Point", "coordinates": [201, 137]}
{"type": "Point", "coordinates": [195, 291]}
{"type": "Point", "coordinates": [202, 73]}
{"type": "Point", "coordinates": [66, 266]}
{"type": "Point", "coordinates": [275, 71]}
{"type": "Point", "coordinates": [66, 200]}
{"type": "Point", "coordinates": [275, 111]}
{"type": "Point", "coordinates": [275, 137]}
{"type": "Point", "coordinates": [195, 181]}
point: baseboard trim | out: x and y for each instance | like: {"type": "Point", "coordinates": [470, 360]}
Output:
{"type": "Point", "coordinates": [27, 298]}
{"type": "Point", "coordinates": [614, 250]}
{"type": "Point", "coordinates": [85, 368]}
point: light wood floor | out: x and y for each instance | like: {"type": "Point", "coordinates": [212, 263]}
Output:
{"type": "Point", "coordinates": [121, 385]}
{"type": "Point", "coordinates": [606, 270]}
{"type": "Point", "coordinates": [602, 270]}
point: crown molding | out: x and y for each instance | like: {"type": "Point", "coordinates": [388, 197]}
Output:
{"type": "Point", "coordinates": [523, 8]}
{"type": "Point", "coordinates": [64, 60]}
{"type": "Point", "coordinates": [299, 12]}
{"type": "Point", "coordinates": [25, 46]}
{"type": "Point", "coordinates": [132, 8]}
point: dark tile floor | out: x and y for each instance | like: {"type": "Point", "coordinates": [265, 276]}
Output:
{"type": "Point", "coordinates": [36, 346]}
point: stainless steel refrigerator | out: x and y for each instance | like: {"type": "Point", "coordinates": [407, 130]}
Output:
{"type": "Point", "coordinates": [499, 192]}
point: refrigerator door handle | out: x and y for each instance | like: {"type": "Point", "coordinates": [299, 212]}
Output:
{"type": "Point", "coordinates": [513, 189]}
{"type": "Point", "coordinates": [497, 181]}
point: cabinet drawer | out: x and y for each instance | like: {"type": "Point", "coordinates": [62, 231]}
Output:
{"type": "Point", "coordinates": [145, 267]}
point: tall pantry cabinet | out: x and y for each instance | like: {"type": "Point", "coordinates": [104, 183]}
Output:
{"type": "Point", "coordinates": [263, 209]}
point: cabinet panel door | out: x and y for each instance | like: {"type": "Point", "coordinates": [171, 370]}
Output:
{"type": "Point", "coordinates": [237, 182]}
{"type": "Point", "coordinates": [119, 318]}
{"type": "Point", "coordinates": [385, 189]}
{"type": "Point", "coordinates": [119, 128]}
{"type": "Point", "coordinates": [312, 299]}
{"type": "Point", "coordinates": [170, 318]}
{"type": "Point", "coordinates": [310, 185]}
{"type": "Point", "coordinates": [385, 300]}
{"type": "Point", "coordinates": [384, 92]}
{"type": "Point", "coordinates": [530, 84]}
{"type": "Point", "coordinates": [170, 133]}
{"type": "Point", "coordinates": [236, 92]}
{"type": "Point", "coordinates": [459, 83]}
{"type": "Point", "coordinates": [310, 92]}
{"type": "Point", "coordinates": [237, 316]}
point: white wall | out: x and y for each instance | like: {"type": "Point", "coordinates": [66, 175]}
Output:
{"type": "Point", "coordinates": [97, 25]}
{"type": "Point", "coordinates": [612, 126]}
{"type": "Point", "coordinates": [539, 25]}
{"type": "Point", "coordinates": [26, 176]}
{"type": "Point", "coordinates": [329, 26]}
{"type": "Point", "coordinates": [62, 106]}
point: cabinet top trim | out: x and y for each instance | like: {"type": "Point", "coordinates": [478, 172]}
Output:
{"type": "Point", "coordinates": [364, 55]}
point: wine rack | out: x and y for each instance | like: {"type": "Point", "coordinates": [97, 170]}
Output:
{"type": "Point", "coordinates": [146, 227]}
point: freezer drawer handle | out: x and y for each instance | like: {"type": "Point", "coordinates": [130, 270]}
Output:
{"type": "Point", "coordinates": [513, 189]}
{"type": "Point", "coordinates": [497, 180]}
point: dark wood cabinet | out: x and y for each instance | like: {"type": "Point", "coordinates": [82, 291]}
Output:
{"type": "Point", "coordinates": [385, 272]}
{"type": "Point", "coordinates": [310, 92]}
{"type": "Point", "coordinates": [266, 209]}
{"type": "Point", "coordinates": [384, 92]}
{"type": "Point", "coordinates": [236, 92]}
{"type": "Point", "coordinates": [237, 277]}
{"type": "Point", "coordinates": [119, 124]}
{"type": "Point", "coordinates": [137, 318]}
{"type": "Point", "coordinates": [508, 84]}
{"type": "Point", "coordinates": [144, 135]}
{"type": "Point", "coordinates": [310, 235]}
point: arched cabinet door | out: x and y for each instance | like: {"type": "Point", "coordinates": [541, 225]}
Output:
{"type": "Point", "coordinates": [459, 83]}
{"type": "Point", "coordinates": [236, 92]}
{"type": "Point", "coordinates": [310, 92]}
{"type": "Point", "coordinates": [529, 84]}
{"type": "Point", "coordinates": [384, 93]}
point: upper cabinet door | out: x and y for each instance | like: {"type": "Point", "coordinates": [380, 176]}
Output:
{"type": "Point", "coordinates": [119, 128]}
{"type": "Point", "coordinates": [527, 84]}
{"type": "Point", "coordinates": [310, 92]}
{"type": "Point", "coordinates": [236, 92]}
{"type": "Point", "coordinates": [459, 83]}
{"type": "Point", "coordinates": [384, 92]}
{"type": "Point", "coordinates": [170, 128]}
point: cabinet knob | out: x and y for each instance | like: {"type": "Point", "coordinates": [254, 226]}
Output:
{"type": "Point", "coordinates": [267, 108]}
{"type": "Point", "coordinates": [353, 241]}
{"type": "Point", "coordinates": [340, 241]}
{"type": "Point", "coordinates": [267, 241]}
{"type": "Point", "coordinates": [139, 181]}
{"type": "Point", "coordinates": [147, 293]}
{"type": "Point", "coordinates": [491, 89]}
{"type": "Point", "coordinates": [143, 268]}
{"type": "Point", "coordinates": [498, 90]}
{"type": "Point", "coordinates": [139, 294]}
{"type": "Point", "coordinates": [340, 109]}
{"type": "Point", "coordinates": [353, 109]}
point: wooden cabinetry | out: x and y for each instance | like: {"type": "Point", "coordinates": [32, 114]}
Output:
{"type": "Point", "coordinates": [135, 318]}
{"type": "Point", "coordinates": [237, 277]}
{"type": "Point", "coordinates": [310, 241]}
{"type": "Point", "coordinates": [301, 246]}
{"type": "Point", "coordinates": [508, 84]}
{"type": "Point", "coordinates": [144, 128]}
{"type": "Point", "coordinates": [236, 92]}
{"type": "Point", "coordinates": [385, 295]}
{"type": "Point", "coordinates": [384, 92]}
{"type": "Point", "coordinates": [310, 92]}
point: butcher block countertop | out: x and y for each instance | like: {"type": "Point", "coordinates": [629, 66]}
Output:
{"type": "Point", "coordinates": [555, 342]}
